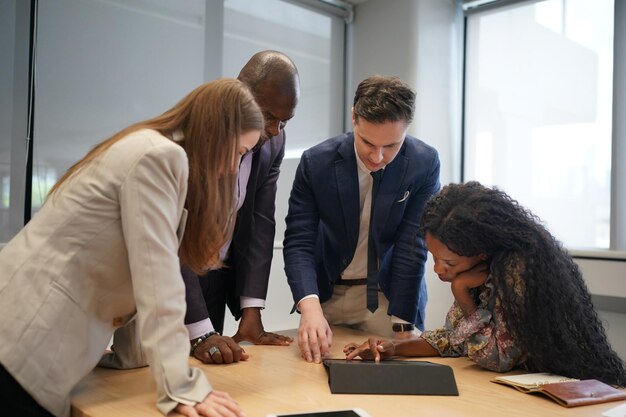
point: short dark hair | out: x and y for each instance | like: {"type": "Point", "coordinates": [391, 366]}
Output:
{"type": "Point", "coordinates": [380, 99]}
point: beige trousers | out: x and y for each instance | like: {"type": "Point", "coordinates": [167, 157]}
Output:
{"type": "Point", "coordinates": [348, 307]}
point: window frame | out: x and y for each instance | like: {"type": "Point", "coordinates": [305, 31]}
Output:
{"type": "Point", "coordinates": [617, 228]}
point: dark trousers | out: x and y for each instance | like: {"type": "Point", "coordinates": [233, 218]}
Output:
{"type": "Point", "coordinates": [15, 401]}
{"type": "Point", "coordinates": [215, 286]}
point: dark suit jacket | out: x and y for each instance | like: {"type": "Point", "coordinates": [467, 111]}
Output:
{"type": "Point", "coordinates": [323, 222]}
{"type": "Point", "coordinates": [248, 265]}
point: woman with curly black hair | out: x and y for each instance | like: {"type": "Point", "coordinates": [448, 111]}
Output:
{"type": "Point", "coordinates": [520, 300]}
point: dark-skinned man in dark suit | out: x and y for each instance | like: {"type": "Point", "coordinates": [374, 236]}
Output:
{"type": "Point", "coordinates": [242, 282]}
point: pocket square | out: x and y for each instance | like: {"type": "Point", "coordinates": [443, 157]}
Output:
{"type": "Point", "coordinates": [404, 197]}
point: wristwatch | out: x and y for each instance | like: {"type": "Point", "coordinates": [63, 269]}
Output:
{"type": "Point", "coordinates": [402, 327]}
{"type": "Point", "coordinates": [201, 339]}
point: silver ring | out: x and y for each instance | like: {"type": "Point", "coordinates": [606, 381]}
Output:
{"type": "Point", "coordinates": [212, 350]}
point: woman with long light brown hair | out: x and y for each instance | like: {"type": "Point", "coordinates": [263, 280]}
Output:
{"type": "Point", "coordinates": [104, 249]}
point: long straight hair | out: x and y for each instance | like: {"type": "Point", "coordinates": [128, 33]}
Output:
{"type": "Point", "coordinates": [211, 118]}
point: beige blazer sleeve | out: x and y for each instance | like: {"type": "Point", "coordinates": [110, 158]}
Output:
{"type": "Point", "coordinates": [151, 202]}
{"type": "Point", "coordinates": [126, 350]}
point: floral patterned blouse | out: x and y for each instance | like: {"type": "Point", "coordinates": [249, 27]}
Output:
{"type": "Point", "coordinates": [483, 336]}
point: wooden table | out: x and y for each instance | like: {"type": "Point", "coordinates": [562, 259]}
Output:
{"type": "Point", "coordinates": [277, 380]}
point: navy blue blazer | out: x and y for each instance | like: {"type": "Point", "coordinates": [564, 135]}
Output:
{"type": "Point", "coordinates": [323, 222]}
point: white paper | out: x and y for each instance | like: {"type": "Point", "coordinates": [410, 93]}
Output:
{"type": "Point", "coordinates": [619, 411]}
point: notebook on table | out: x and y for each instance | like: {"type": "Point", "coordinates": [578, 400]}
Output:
{"type": "Point", "coordinates": [568, 392]}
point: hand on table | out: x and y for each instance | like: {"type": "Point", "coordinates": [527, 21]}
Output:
{"type": "Point", "coordinates": [372, 349]}
{"type": "Point", "coordinates": [226, 350]}
{"type": "Point", "coordinates": [314, 334]}
{"type": "Point", "coordinates": [216, 404]}
{"type": "Point", "coordinates": [251, 330]}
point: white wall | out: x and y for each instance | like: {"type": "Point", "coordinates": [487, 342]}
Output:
{"type": "Point", "coordinates": [608, 279]}
{"type": "Point", "coordinates": [420, 42]}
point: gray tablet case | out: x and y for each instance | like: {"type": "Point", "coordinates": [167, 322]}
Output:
{"type": "Point", "coordinates": [390, 377]}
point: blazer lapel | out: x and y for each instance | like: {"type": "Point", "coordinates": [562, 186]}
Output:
{"type": "Point", "coordinates": [260, 161]}
{"type": "Point", "coordinates": [348, 187]}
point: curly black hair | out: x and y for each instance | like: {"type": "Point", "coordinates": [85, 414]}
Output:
{"type": "Point", "coordinates": [553, 320]}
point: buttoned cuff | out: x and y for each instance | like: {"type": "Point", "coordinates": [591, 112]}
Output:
{"type": "Point", "coordinates": [249, 302]}
{"type": "Point", "coordinates": [395, 319]}
{"type": "Point", "coordinates": [304, 298]}
{"type": "Point", "coordinates": [199, 328]}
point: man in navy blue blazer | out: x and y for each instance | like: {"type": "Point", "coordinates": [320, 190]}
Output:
{"type": "Point", "coordinates": [344, 269]}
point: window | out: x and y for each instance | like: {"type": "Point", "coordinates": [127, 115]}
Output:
{"type": "Point", "coordinates": [92, 81]}
{"type": "Point", "coordinates": [14, 113]}
{"type": "Point", "coordinates": [7, 45]}
{"type": "Point", "coordinates": [102, 65]}
{"type": "Point", "coordinates": [538, 111]}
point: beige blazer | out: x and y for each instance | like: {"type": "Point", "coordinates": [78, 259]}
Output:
{"type": "Point", "coordinates": [101, 250]}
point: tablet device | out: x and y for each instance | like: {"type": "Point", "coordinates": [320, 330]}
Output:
{"type": "Point", "coordinates": [390, 377]}
{"type": "Point", "coordinates": [355, 412]}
